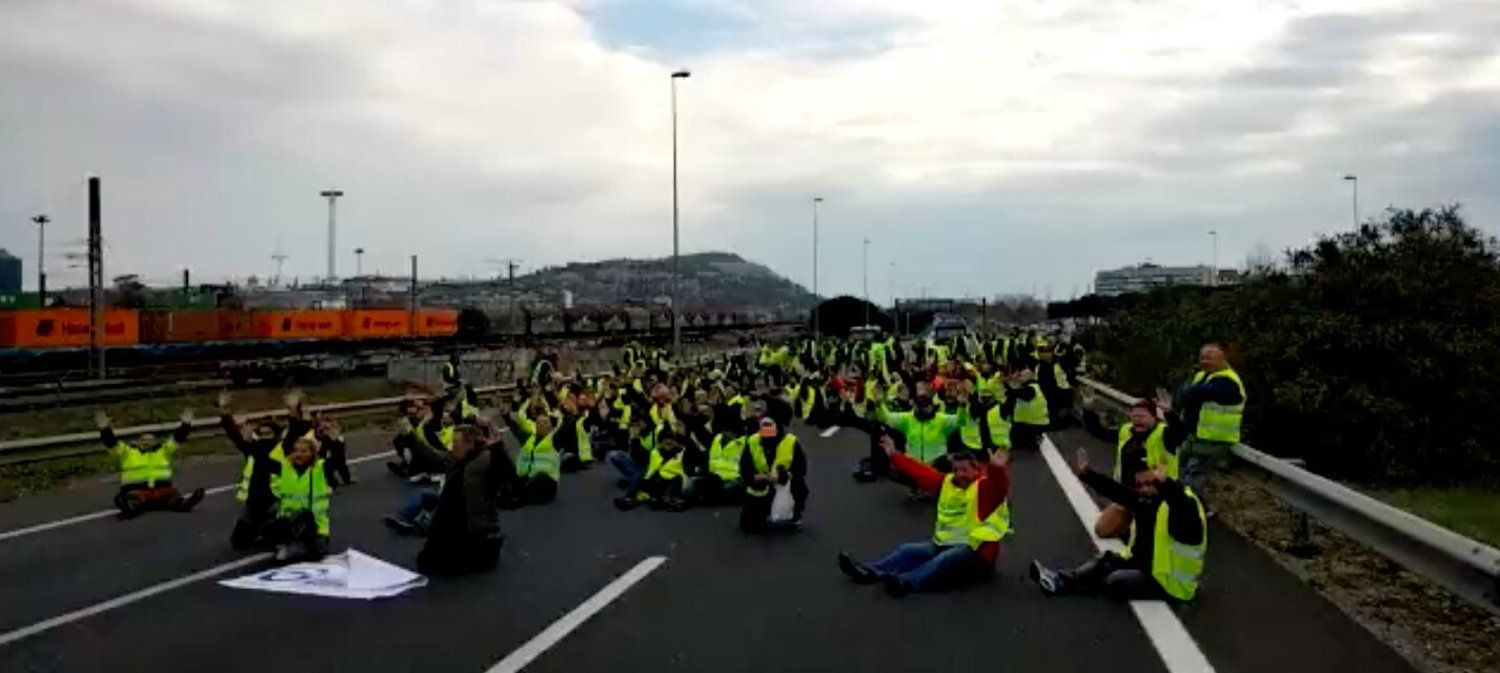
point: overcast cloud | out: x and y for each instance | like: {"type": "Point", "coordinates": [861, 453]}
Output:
{"type": "Point", "coordinates": [985, 147]}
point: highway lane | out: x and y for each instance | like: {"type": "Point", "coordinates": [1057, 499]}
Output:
{"type": "Point", "coordinates": [721, 602]}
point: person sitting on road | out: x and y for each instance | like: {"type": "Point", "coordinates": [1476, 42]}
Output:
{"type": "Point", "coordinates": [409, 415]}
{"type": "Point", "coordinates": [538, 466]}
{"type": "Point", "coordinates": [925, 430]}
{"type": "Point", "coordinates": [264, 449]}
{"type": "Point", "coordinates": [1026, 405]}
{"type": "Point", "coordinates": [464, 533]}
{"type": "Point", "coordinates": [973, 516]}
{"type": "Point", "coordinates": [772, 460]}
{"type": "Point", "coordinates": [718, 483]}
{"type": "Point", "coordinates": [333, 450]}
{"type": "Point", "coordinates": [300, 530]}
{"type": "Point", "coordinates": [146, 469]}
{"type": "Point", "coordinates": [662, 483]}
{"type": "Point", "coordinates": [1164, 558]}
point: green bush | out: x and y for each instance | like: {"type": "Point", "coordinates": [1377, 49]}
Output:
{"type": "Point", "coordinates": [1373, 356]}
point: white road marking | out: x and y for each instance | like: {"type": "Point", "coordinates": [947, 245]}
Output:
{"type": "Point", "coordinates": [553, 634]}
{"type": "Point", "coordinates": [831, 431]}
{"type": "Point", "coordinates": [12, 636]}
{"type": "Point", "coordinates": [1176, 646]}
{"type": "Point", "coordinates": [105, 513]}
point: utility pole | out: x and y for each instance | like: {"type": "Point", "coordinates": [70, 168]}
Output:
{"type": "Point", "coordinates": [279, 258]}
{"type": "Point", "coordinates": [412, 299]}
{"type": "Point", "coordinates": [96, 284]}
{"type": "Point", "coordinates": [1354, 180]}
{"type": "Point", "coordinates": [676, 271]}
{"type": "Point", "coordinates": [332, 195]}
{"type": "Point", "coordinates": [866, 273]}
{"type": "Point", "coordinates": [186, 285]}
{"type": "Point", "coordinates": [817, 319]}
{"type": "Point", "coordinates": [1213, 278]}
{"type": "Point", "coordinates": [41, 256]}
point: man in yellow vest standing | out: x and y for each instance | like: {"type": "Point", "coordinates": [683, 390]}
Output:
{"type": "Point", "coordinates": [146, 469]}
{"type": "Point", "coordinates": [1168, 541]}
{"type": "Point", "coordinates": [973, 516]}
{"type": "Point", "coordinates": [1212, 406]}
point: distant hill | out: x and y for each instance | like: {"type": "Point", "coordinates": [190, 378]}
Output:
{"type": "Point", "coordinates": [711, 281]}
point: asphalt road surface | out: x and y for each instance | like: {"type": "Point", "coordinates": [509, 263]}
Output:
{"type": "Point", "coordinates": [720, 602]}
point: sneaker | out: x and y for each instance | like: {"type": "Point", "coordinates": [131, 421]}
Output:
{"type": "Point", "coordinates": [626, 503]}
{"type": "Point", "coordinates": [859, 572]}
{"type": "Point", "coordinates": [1045, 578]}
{"type": "Point", "coordinates": [897, 587]}
{"type": "Point", "coordinates": [283, 553]}
{"type": "Point", "coordinates": [398, 469]}
{"type": "Point", "coordinates": [865, 476]}
{"type": "Point", "coordinates": [674, 505]}
{"type": "Point", "coordinates": [399, 524]}
{"type": "Point", "coordinates": [193, 499]}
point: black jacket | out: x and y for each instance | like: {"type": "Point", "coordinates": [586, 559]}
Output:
{"type": "Point", "coordinates": [1184, 524]}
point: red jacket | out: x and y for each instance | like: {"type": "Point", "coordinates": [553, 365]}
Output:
{"type": "Point", "coordinates": [994, 487]}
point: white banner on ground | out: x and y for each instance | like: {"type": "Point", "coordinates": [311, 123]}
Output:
{"type": "Point", "coordinates": [351, 574]}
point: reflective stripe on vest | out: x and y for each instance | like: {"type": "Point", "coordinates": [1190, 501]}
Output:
{"type": "Point", "coordinates": [958, 519]}
{"type": "Point", "coordinates": [1221, 422]}
{"type": "Point", "coordinates": [1033, 411]}
{"type": "Point", "coordinates": [724, 457]}
{"type": "Point", "coordinates": [1175, 565]}
{"type": "Point", "coordinates": [783, 459]}
{"type": "Point", "coordinates": [539, 458]}
{"type": "Point", "coordinates": [144, 467]}
{"type": "Point", "coordinates": [1156, 450]}
{"type": "Point", "coordinates": [1060, 375]}
{"type": "Point", "coordinates": [303, 492]}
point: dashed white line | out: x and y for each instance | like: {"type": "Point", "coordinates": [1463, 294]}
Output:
{"type": "Point", "coordinates": [1176, 646]}
{"type": "Point", "coordinates": [560, 629]}
{"type": "Point", "coordinates": [830, 431]}
{"type": "Point", "coordinates": [105, 513]}
{"type": "Point", "coordinates": [12, 636]}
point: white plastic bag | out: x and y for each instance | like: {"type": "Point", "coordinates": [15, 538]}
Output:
{"type": "Point", "coordinates": [783, 506]}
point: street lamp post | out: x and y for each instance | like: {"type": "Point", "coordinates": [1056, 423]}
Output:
{"type": "Point", "coordinates": [1213, 279]}
{"type": "Point", "coordinates": [1354, 180]}
{"type": "Point", "coordinates": [865, 265]}
{"type": "Point", "coordinates": [41, 255]}
{"type": "Point", "coordinates": [359, 272]}
{"type": "Point", "coordinates": [817, 319]}
{"type": "Point", "coordinates": [332, 195]}
{"type": "Point", "coordinates": [676, 270]}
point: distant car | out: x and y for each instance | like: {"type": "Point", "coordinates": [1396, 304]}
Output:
{"type": "Point", "coordinates": [945, 327]}
{"type": "Point", "coordinates": [865, 333]}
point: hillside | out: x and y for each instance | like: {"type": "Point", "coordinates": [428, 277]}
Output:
{"type": "Point", "coordinates": [711, 281]}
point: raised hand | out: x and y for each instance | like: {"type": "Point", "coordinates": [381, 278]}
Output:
{"type": "Point", "coordinates": [1080, 461]}
{"type": "Point", "coordinates": [223, 399]}
{"type": "Point", "coordinates": [888, 445]}
{"type": "Point", "coordinates": [1000, 459]}
{"type": "Point", "coordinates": [186, 416]}
{"type": "Point", "coordinates": [101, 419]}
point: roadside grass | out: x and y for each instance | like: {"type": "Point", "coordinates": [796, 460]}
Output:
{"type": "Point", "coordinates": [63, 420]}
{"type": "Point", "coordinates": [1468, 511]}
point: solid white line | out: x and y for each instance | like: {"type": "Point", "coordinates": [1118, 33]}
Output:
{"type": "Point", "coordinates": [831, 431]}
{"type": "Point", "coordinates": [104, 513]}
{"type": "Point", "coordinates": [560, 629]}
{"type": "Point", "coordinates": [1176, 646]}
{"type": "Point", "coordinates": [12, 636]}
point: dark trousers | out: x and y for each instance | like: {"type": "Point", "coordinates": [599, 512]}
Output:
{"type": "Point", "coordinates": [1114, 576]}
{"type": "Point", "coordinates": [445, 554]}
{"type": "Point", "coordinates": [1026, 436]}
{"type": "Point", "coordinates": [299, 531]}
{"type": "Point", "coordinates": [336, 464]}
{"type": "Point", "coordinates": [756, 511]}
{"type": "Point", "coordinates": [928, 566]}
{"type": "Point", "coordinates": [711, 489]}
{"type": "Point", "coordinates": [251, 526]}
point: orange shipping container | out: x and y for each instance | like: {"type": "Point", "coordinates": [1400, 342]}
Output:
{"type": "Point", "coordinates": [296, 324]}
{"type": "Point", "coordinates": [235, 325]}
{"type": "Point", "coordinates": [177, 326]}
{"type": "Point", "coordinates": [65, 327]}
{"type": "Point", "coordinates": [380, 324]}
{"type": "Point", "coordinates": [431, 322]}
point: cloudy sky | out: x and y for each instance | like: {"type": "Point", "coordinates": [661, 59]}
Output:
{"type": "Point", "coordinates": [983, 146]}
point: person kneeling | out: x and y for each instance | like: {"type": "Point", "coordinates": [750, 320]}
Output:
{"type": "Point", "coordinates": [773, 461]}
{"type": "Point", "coordinates": [464, 535]}
{"type": "Point", "coordinates": [1168, 541]}
{"type": "Point", "coordinates": [300, 530]}
{"type": "Point", "coordinates": [973, 516]}
{"type": "Point", "coordinates": [661, 486]}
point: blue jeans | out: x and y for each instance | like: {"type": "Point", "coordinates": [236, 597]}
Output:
{"type": "Point", "coordinates": [620, 460]}
{"type": "Point", "coordinates": [929, 566]}
{"type": "Point", "coordinates": [419, 502]}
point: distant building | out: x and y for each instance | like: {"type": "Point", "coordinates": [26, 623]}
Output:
{"type": "Point", "coordinates": [10, 273]}
{"type": "Point", "coordinates": [1146, 277]}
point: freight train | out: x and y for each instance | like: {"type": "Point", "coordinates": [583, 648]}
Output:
{"type": "Point", "coordinates": [69, 327]}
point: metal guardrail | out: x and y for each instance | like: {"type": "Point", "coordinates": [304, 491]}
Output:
{"type": "Point", "coordinates": [85, 443]}
{"type": "Point", "coordinates": [1468, 568]}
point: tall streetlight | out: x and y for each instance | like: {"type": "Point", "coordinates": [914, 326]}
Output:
{"type": "Point", "coordinates": [676, 277]}
{"type": "Point", "coordinates": [1354, 180]}
{"type": "Point", "coordinates": [332, 195]}
{"type": "Point", "coordinates": [359, 258]}
{"type": "Point", "coordinates": [866, 280]}
{"type": "Point", "coordinates": [41, 252]}
{"type": "Point", "coordinates": [1213, 279]}
{"type": "Point", "coordinates": [817, 319]}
